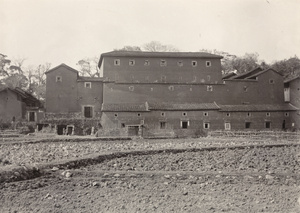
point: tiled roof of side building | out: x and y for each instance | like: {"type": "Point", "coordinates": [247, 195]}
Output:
{"type": "Point", "coordinates": [261, 72]}
{"type": "Point", "coordinates": [247, 74]}
{"type": "Point", "coordinates": [183, 106]}
{"type": "Point", "coordinates": [257, 108]}
{"type": "Point", "coordinates": [291, 79]}
{"type": "Point", "coordinates": [124, 107]}
{"type": "Point", "coordinates": [62, 65]}
{"type": "Point", "coordinates": [83, 78]}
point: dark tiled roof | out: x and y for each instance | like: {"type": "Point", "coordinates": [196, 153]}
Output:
{"type": "Point", "coordinates": [62, 65]}
{"type": "Point", "coordinates": [257, 108]}
{"type": "Point", "coordinates": [261, 72]}
{"type": "Point", "coordinates": [184, 106]}
{"type": "Point", "coordinates": [247, 74]}
{"type": "Point", "coordinates": [83, 78]}
{"type": "Point", "coordinates": [291, 79]}
{"type": "Point", "coordinates": [229, 75]}
{"type": "Point", "coordinates": [124, 107]}
{"type": "Point", "coordinates": [161, 54]}
{"type": "Point", "coordinates": [157, 54]}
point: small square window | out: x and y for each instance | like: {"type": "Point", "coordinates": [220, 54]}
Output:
{"type": "Point", "coordinates": [247, 125]}
{"type": "Point", "coordinates": [180, 63]}
{"type": "Point", "coordinates": [116, 114]}
{"type": "Point", "coordinates": [245, 89]}
{"type": "Point", "coordinates": [139, 114]}
{"type": "Point", "coordinates": [117, 62]}
{"type": "Point", "coordinates": [147, 63]}
{"type": "Point", "coordinates": [194, 63]}
{"type": "Point", "coordinates": [184, 124]}
{"type": "Point", "coordinates": [286, 114]}
{"type": "Point", "coordinates": [228, 114]}
{"type": "Point", "coordinates": [162, 124]}
{"type": "Point", "coordinates": [58, 79]}
{"type": "Point", "coordinates": [184, 114]}
{"type": "Point", "coordinates": [122, 125]}
{"type": "Point", "coordinates": [163, 114]}
{"type": "Point", "coordinates": [88, 85]}
{"type": "Point", "coordinates": [268, 114]}
{"type": "Point", "coordinates": [131, 88]}
{"type": "Point", "coordinates": [208, 63]}
{"type": "Point", "coordinates": [209, 88]}
{"type": "Point", "coordinates": [171, 88]}
{"type": "Point", "coordinates": [248, 114]}
{"type": "Point", "coordinates": [268, 124]}
{"type": "Point", "coordinates": [163, 63]}
{"type": "Point", "coordinates": [206, 125]}
{"type": "Point", "coordinates": [205, 113]}
{"type": "Point", "coordinates": [131, 62]}
{"type": "Point", "coordinates": [271, 81]}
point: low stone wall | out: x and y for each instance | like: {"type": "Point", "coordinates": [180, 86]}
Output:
{"type": "Point", "coordinates": [82, 126]}
{"type": "Point", "coordinates": [119, 132]}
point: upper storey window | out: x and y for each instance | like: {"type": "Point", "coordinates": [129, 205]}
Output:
{"type": "Point", "coordinates": [58, 79]}
{"type": "Point", "coordinates": [163, 63]}
{"type": "Point", "coordinates": [131, 62]}
{"type": "Point", "coordinates": [88, 85]}
{"type": "Point", "coordinates": [271, 81]}
{"type": "Point", "coordinates": [180, 63]}
{"type": "Point", "coordinates": [194, 63]}
{"type": "Point", "coordinates": [147, 63]}
{"type": "Point", "coordinates": [117, 62]}
{"type": "Point", "coordinates": [208, 63]}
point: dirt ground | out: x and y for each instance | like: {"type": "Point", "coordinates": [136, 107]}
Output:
{"type": "Point", "coordinates": [257, 179]}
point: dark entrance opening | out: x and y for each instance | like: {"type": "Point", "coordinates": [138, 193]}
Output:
{"type": "Point", "coordinates": [283, 124]}
{"type": "Point", "coordinates": [133, 130]}
{"type": "Point", "coordinates": [60, 129]}
{"type": "Point", "coordinates": [70, 130]}
{"type": "Point", "coordinates": [32, 116]}
{"type": "Point", "coordinates": [247, 125]}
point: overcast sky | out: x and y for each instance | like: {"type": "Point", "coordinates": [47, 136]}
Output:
{"type": "Point", "coordinates": [65, 31]}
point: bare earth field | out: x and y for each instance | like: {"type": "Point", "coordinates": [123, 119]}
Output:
{"type": "Point", "coordinates": [167, 175]}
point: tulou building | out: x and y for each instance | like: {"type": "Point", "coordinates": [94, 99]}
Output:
{"type": "Point", "coordinates": [168, 94]}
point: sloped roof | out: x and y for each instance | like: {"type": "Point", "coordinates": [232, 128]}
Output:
{"type": "Point", "coordinates": [257, 108]}
{"type": "Point", "coordinates": [247, 74]}
{"type": "Point", "coordinates": [183, 106]}
{"type": "Point", "coordinates": [27, 97]}
{"type": "Point", "coordinates": [62, 65]}
{"type": "Point", "coordinates": [291, 79]}
{"type": "Point", "coordinates": [124, 107]}
{"type": "Point", "coordinates": [157, 54]}
{"type": "Point", "coordinates": [261, 72]}
{"type": "Point", "coordinates": [229, 75]}
{"type": "Point", "coordinates": [83, 78]}
{"type": "Point", "coordinates": [161, 54]}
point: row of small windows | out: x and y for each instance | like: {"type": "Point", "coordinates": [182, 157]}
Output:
{"type": "Point", "coordinates": [206, 125]}
{"type": "Point", "coordinates": [205, 114]}
{"type": "Point", "coordinates": [163, 63]}
{"type": "Point", "coordinates": [171, 88]}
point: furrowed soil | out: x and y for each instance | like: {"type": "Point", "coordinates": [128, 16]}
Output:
{"type": "Point", "coordinates": [189, 176]}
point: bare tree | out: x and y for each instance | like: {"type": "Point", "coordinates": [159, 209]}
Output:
{"type": "Point", "coordinates": [156, 46]}
{"type": "Point", "coordinates": [129, 48]}
{"type": "Point", "coordinates": [89, 67]}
